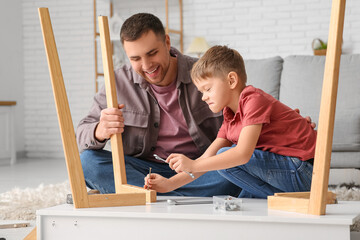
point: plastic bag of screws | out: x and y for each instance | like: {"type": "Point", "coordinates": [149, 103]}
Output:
{"type": "Point", "coordinates": [226, 203]}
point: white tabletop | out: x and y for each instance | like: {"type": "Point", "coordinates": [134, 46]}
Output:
{"type": "Point", "coordinates": [253, 210]}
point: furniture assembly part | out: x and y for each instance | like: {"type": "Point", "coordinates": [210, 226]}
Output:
{"type": "Point", "coordinates": [76, 176]}
{"type": "Point", "coordinates": [316, 203]}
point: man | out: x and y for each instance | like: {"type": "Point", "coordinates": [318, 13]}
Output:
{"type": "Point", "coordinates": [160, 112]}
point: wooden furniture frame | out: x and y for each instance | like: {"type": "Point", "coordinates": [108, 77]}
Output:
{"type": "Point", "coordinates": [315, 202]}
{"type": "Point", "coordinates": [111, 97]}
{"type": "Point", "coordinates": [97, 34]}
{"type": "Point", "coordinates": [125, 194]}
{"type": "Point", "coordinates": [7, 103]}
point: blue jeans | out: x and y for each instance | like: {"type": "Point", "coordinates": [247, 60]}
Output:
{"type": "Point", "coordinates": [267, 173]}
{"type": "Point", "coordinates": [98, 171]}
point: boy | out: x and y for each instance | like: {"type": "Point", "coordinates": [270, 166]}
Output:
{"type": "Point", "coordinates": [263, 146]}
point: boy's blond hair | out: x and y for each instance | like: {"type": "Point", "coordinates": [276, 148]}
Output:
{"type": "Point", "coordinates": [218, 61]}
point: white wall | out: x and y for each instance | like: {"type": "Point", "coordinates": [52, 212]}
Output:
{"type": "Point", "coordinates": [257, 28]}
{"type": "Point", "coordinates": [11, 63]}
{"type": "Point", "coordinates": [72, 22]}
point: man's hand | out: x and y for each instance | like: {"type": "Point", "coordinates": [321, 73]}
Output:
{"type": "Point", "coordinates": [313, 125]}
{"type": "Point", "coordinates": [111, 122]}
{"type": "Point", "coordinates": [158, 183]}
{"type": "Point", "coordinates": [180, 163]}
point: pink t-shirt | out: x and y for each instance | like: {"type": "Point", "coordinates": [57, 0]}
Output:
{"type": "Point", "coordinates": [174, 135]}
{"type": "Point", "coordinates": [283, 132]}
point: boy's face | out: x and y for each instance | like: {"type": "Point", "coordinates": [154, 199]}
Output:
{"type": "Point", "coordinates": [216, 92]}
{"type": "Point", "coordinates": [150, 57]}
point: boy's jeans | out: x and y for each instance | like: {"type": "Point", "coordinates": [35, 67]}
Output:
{"type": "Point", "coordinates": [98, 171]}
{"type": "Point", "coordinates": [267, 173]}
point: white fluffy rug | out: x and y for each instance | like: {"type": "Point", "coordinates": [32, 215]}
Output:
{"type": "Point", "coordinates": [21, 204]}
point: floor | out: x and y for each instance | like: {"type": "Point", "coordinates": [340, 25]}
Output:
{"type": "Point", "coordinates": [29, 173]}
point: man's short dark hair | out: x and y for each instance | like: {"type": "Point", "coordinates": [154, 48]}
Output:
{"type": "Point", "coordinates": [138, 24]}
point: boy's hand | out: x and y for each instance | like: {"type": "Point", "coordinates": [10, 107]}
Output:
{"type": "Point", "coordinates": [180, 163]}
{"type": "Point", "coordinates": [158, 183]}
{"type": "Point", "coordinates": [313, 125]}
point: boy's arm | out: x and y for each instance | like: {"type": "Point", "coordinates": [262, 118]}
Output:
{"type": "Point", "coordinates": [236, 156]}
{"type": "Point", "coordinates": [182, 178]}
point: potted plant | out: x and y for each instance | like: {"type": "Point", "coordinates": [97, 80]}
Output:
{"type": "Point", "coordinates": [319, 46]}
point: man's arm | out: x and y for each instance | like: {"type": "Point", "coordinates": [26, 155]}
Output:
{"type": "Point", "coordinates": [94, 131]}
{"type": "Point", "coordinates": [111, 122]}
{"type": "Point", "coordinates": [86, 128]}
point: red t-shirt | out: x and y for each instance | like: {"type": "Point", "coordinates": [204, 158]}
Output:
{"type": "Point", "coordinates": [283, 132]}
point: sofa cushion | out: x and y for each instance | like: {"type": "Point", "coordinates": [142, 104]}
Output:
{"type": "Point", "coordinates": [301, 85]}
{"type": "Point", "coordinates": [265, 74]}
{"type": "Point", "coordinates": [345, 160]}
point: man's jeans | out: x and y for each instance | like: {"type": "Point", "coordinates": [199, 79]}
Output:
{"type": "Point", "coordinates": [98, 171]}
{"type": "Point", "coordinates": [267, 173]}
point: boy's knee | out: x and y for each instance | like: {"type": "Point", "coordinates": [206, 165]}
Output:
{"type": "Point", "coordinates": [221, 150]}
{"type": "Point", "coordinates": [223, 172]}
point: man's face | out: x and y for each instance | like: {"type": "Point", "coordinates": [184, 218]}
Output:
{"type": "Point", "coordinates": [150, 57]}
